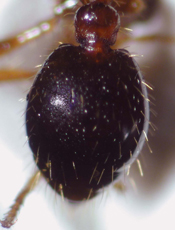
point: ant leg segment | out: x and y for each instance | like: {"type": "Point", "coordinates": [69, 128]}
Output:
{"type": "Point", "coordinates": [28, 35]}
{"type": "Point", "coordinates": [6, 75]}
{"type": "Point", "coordinates": [32, 33]}
{"type": "Point", "coordinates": [39, 30]}
{"type": "Point", "coordinates": [156, 38]}
{"type": "Point", "coordinates": [150, 38]}
{"type": "Point", "coordinates": [10, 216]}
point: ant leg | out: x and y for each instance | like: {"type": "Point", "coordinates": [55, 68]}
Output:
{"type": "Point", "coordinates": [150, 38]}
{"type": "Point", "coordinates": [6, 75]}
{"type": "Point", "coordinates": [10, 216]}
{"type": "Point", "coordinates": [60, 10]}
{"type": "Point", "coordinates": [28, 35]}
{"type": "Point", "coordinates": [156, 38]}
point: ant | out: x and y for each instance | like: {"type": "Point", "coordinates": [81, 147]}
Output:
{"type": "Point", "coordinates": [61, 190]}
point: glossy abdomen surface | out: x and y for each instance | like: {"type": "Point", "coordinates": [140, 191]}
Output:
{"type": "Point", "coordinates": [85, 117]}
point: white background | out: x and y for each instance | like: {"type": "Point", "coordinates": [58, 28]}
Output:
{"type": "Point", "coordinates": [148, 205]}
